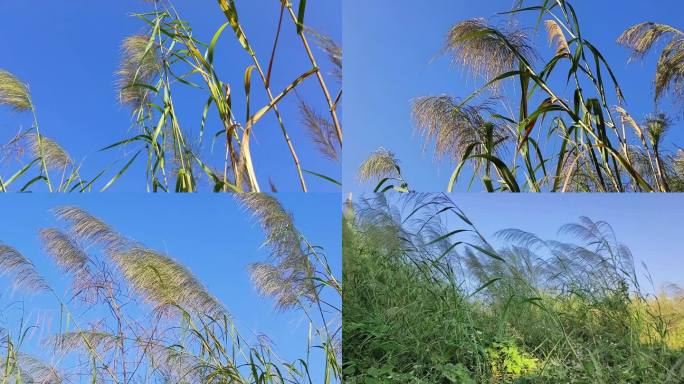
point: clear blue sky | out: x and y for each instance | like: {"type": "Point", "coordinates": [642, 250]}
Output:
{"type": "Point", "coordinates": [68, 53]}
{"type": "Point", "coordinates": [392, 57]}
{"type": "Point", "coordinates": [210, 234]}
{"type": "Point", "coordinates": [650, 225]}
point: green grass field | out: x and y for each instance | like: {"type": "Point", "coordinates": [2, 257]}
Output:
{"type": "Point", "coordinates": [429, 303]}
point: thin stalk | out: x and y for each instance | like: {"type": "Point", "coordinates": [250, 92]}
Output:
{"type": "Point", "coordinates": [41, 151]}
{"type": "Point", "coordinates": [321, 81]}
{"type": "Point", "coordinates": [265, 80]}
{"type": "Point", "coordinates": [659, 166]}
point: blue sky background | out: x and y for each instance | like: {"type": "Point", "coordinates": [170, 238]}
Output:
{"type": "Point", "coordinates": [217, 252]}
{"type": "Point", "coordinates": [392, 56]}
{"type": "Point", "coordinates": [68, 53]}
{"type": "Point", "coordinates": [648, 224]}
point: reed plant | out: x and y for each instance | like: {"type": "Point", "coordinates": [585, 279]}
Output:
{"type": "Point", "coordinates": [169, 55]}
{"type": "Point", "coordinates": [430, 299]}
{"type": "Point", "coordinates": [137, 315]}
{"type": "Point", "coordinates": [46, 159]}
{"type": "Point", "coordinates": [166, 58]}
{"type": "Point", "coordinates": [558, 123]}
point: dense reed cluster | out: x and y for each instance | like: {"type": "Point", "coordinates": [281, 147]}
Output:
{"type": "Point", "coordinates": [181, 154]}
{"type": "Point", "coordinates": [137, 315]}
{"type": "Point", "coordinates": [429, 299]}
{"type": "Point", "coordinates": [555, 124]}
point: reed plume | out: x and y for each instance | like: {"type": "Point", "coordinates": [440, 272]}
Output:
{"type": "Point", "coordinates": [288, 276]}
{"type": "Point", "coordinates": [381, 164]}
{"type": "Point", "coordinates": [452, 127]}
{"type": "Point", "coordinates": [642, 37]}
{"type": "Point", "coordinates": [89, 229]}
{"type": "Point", "coordinates": [64, 250]}
{"type": "Point", "coordinates": [331, 48]}
{"type": "Point", "coordinates": [85, 341]}
{"type": "Point", "coordinates": [140, 64]}
{"type": "Point", "coordinates": [13, 92]}
{"type": "Point", "coordinates": [321, 131]}
{"type": "Point", "coordinates": [24, 273]}
{"type": "Point", "coordinates": [29, 369]}
{"type": "Point", "coordinates": [54, 155]}
{"type": "Point", "coordinates": [164, 283]}
{"type": "Point", "coordinates": [486, 51]}
{"type": "Point", "coordinates": [556, 37]}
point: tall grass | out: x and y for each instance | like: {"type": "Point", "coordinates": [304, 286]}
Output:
{"type": "Point", "coordinates": [429, 299]}
{"type": "Point", "coordinates": [54, 166]}
{"type": "Point", "coordinates": [137, 315]}
{"type": "Point", "coordinates": [180, 155]}
{"type": "Point", "coordinates": [558, 123]}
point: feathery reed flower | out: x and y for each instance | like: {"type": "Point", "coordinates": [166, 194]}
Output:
{"type": "Point", "coordinates": [321, 130]}
{"type": "Point", "coordinates": [288, 278]}
{"type": "Point", "coordinates": [641, 37]}
{"type": "Point", "coordinates": [140, 64]}
{"type": "Point", "coordinates": [54, 155]}
{"type": "Point", "coordinates": [85, 340]}
{"type": "Point", "coordinates": [64, 250]}
{"type": "Point", "coordinates": [24, 272]}
{"type": "Point", "coordinates": [13, 92]}
{"type": "Point", "coordinates": [453, 128]}
{"type": "Point", "coordinates": [486, 51]}
{"type": "Point", "coordinates": [165, 283]}
{"type": "Point", "coordinates": [281, 234]}
{"type": "Point", "coordinates": [656, 127]}
{"type": "Point", "coordinates": [90, 229]}
{"type": "Point", "coordinates": [381, 164]}
{"type": "Point", "coordinates": [556, 37]}
{"type": "Point", "coordinates": [679, 163]}
{"type": "Point", "coordinates": [334, 51]}
{"type": "Point", "coordinates": [30, 369]}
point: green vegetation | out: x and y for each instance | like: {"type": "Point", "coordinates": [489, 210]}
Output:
{"type": "Point", "coordinates": [557, 123]}
{"type": "Point", "coordinates": [136, 315]}
{"type": "Point", "coordinates": [428, 299]}
{"type": "Point", "coordinates": [179, 153]}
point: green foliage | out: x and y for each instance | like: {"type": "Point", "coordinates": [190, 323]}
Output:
{"type": "Point", "coordinates": [508, 362]}
{"type": "Point", "coordinates": [427, 302]}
